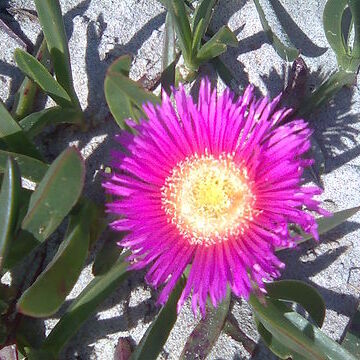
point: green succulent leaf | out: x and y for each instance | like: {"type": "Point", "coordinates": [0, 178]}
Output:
{"type": "Point", "coordinates": [30, 332]}
{"type": "Point", "coordinates": [99, 223]}
{"type": "Point", "coordinates": [217, 44]}
{"type": "Point", "coordinates": [276, 347]}
{"type": "Point", "coordinates": [207, 331]}
{"type": "Point", "coordinates": [36, 354]}
{"type": "Point", "coordinates": [169, 53]}
{"type": "Point", "coordinates": [168, 77]}
{"type": "Point", "coordinates": [169, 58]}
{"type": "Point", "coordinates": [108, 254]}
{"type": "Point", "coordinates": [22, 246]}
{"type": "Point", "coordinates": [351, 341]}
{"type": "Point", "coordinates": [25, 96]}
{"type": "Point", "coordinates": [85, 305]}
{"type": "Point", "coordinates": [45, 296]}
{"type": "Point", "coordinates": [38, 73]}
{"type": "Point", "coordinates": [157, 333]}
{"type": "Point", "coordinates": [355, 11]}
{"type": "Point", "coordinates": [326, 91]}
{"type": "Point", "coordinates": [34, 123]}
{"type": "Point", "coordinates": [124, 96]}
{"type": "Point", "coordinates": [23, 242]}
{"type": "Point", "coordinates": [197, 37]}
{"type": "Point", "coordinates": [182, 26]}
{"type": "Point", "coordinates": [201, 21]}
{"type": "Point", "coordinates": [297, 337]}
{"type": "Point", "coordinates": [55, 195]}
{"type": "Point", "coordinates": [298, 291]}
{"type": "Point", "coordinates": [9, 207]}
{"type": "Point", "coordinates": [14, 137]}
{"type": "Point", "coordinates": [326, 224]}
{"type": "Point", "coordinates": [287, 53]}
{"type": "Point", "coordinates": [52, 24]}
{"type": "Point", "coordinates": [3, 332]}
{"type": "Point", "coordinates": [119, 104]}
{"type": "Point", "coordinates": [332, 19]}
{"type": "Point", "coordinates": [31, 168]}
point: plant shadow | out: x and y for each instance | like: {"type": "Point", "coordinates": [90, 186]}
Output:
{"type": "Point", "coordinates": [334, 124]}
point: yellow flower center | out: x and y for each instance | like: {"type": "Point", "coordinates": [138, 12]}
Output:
{"type": "Point", "coordinates": [208, 199]}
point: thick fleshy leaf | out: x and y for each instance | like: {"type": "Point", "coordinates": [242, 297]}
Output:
{"type": "Point", "coordinates": [14, 137]}
{"type": "Point", "coordinates": [332, 19]}
{"type": "Point", "coordinates": [45, 296]}
{"type": "Point", "coordinates": [55, 195]}
{"type": "Point", "coordinates": [9, 207]}
{"type": "Point", "coordinates": [25, 96]}
{"type": "Point", "coordinates": [99, 224]}
{"type": "Point", "coordinates": [131, 89]}
{"type": "Point", "coordinates": [7, 294]}
{"type": "Point", "coordinates": [326, 91]}
{"type": "Point", "coordinates": [124, 96]}
{"type": "Point", "coordinates": [157, 333]}
{"type": "Point", "coordinates": [182, 27]}
{"type": "Point", "coordinates": [168, 55]}
{"type": "Point", "coordinates": [119, 104]}
{"type": "Point", "coordinates": [276, 347]}
{"type": "Point", "coordinates": [298, 291]}
{"type": "Point", "coordinates": [168, 77]}
{"type": "Point", "coordinates": [108, 254]}
{"type": "Point", "coordinates": [355, 11]}
{"type": "Point", "coordinates": [298, 336]}
{"type": "Point", "coordinates": [38, 73]}
{"type": "Point", "coordinates": [30, 332]}
{"type": "Point", "coordinates": [288, 53]}
{"type": "Point", "coordinates": [201, 21]}
{"type": "Point", "coordinates": [21, 247]}
{"type": "Point", "coordinates": [31, 168]}
{"type": "Point", "coordinates": [23, 242]}
{"type": "Point", "coordinates": [217, 44]}
{"type": "Point", "coordinates": [34, 123]}
{"type": "Point", "coordinates": [351, 341]}
{"type": "Point", "coordinates": [52, 24]}
{"type": "Point", "coordinates": [326, 224]}
{"type": "Point", "coordinates": [207, 331]}
{"type": "Point", "coordinates": [36, 354]}
{"type": "Point", "coordinates": [85, 305]}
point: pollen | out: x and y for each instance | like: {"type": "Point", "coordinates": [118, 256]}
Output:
{"type": "Point", "coordinates": [208, 199]}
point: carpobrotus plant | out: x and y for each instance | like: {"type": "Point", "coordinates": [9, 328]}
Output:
{"type": "Point", "coordinates": [205, 191]}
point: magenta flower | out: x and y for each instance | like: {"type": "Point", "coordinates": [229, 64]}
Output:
{"type": "Point", "coordinates": [215, 185]}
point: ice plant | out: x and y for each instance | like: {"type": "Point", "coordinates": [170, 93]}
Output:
{"type": "Point", "coordinates": [215, 185]}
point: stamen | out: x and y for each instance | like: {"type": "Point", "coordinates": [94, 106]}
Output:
{"type": "Point", "coordinates": [208, 199]}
